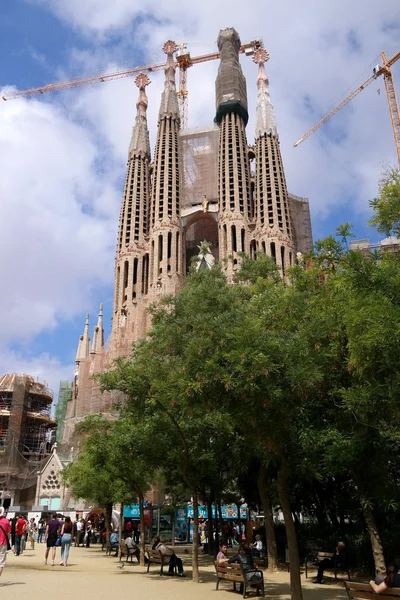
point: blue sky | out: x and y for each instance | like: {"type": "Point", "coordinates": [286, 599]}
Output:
{"type": "Point", "coordinates": [64, 154]}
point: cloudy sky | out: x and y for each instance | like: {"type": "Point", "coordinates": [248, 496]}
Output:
{"type": "Point", "coordinates": [63, 155]}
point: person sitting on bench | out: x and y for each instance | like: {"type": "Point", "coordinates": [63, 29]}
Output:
{"type": "Point", "coordinates": [114, 541]}
{"type": "Point", "coordinates": [169, 556]}
{"type": "Point", "coordinates": [131, 547]}
{"type": "Point", "coordinates": [338, 560]}
{"type": "Point", "coordinates": [257, 546]}
{"type": "Point", "coordinates": [245, 559]}
{"type": "Point", "coordinates": [392, 579]}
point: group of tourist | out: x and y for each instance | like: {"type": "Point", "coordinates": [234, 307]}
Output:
{"type": "Point", "coordinates": [15, 533]}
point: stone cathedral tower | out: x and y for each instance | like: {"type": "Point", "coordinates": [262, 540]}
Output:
{"type": "Point", "coordinates": [204, 184]}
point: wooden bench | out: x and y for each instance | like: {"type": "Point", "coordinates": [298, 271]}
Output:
{"type": "Point", "coordinates": [363, 591]}
{"type": "Point", "coordinates": [321, 556]}
{"type": "Point", "coordinates": [234, 573]}
{"type": "Point", "coordinates": [155, 557]}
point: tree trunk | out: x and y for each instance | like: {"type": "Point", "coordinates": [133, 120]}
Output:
{"type": "Point", "coordinates": [221, 522]}
{"type": "Point", "coordinates": [376, 543]}
{"type": "Point", "coordinates": [108, 519]}
{"type": "Point", "coordinates": [142, 542]}
{"type": "Point", "coordinates": [120, 530]}
{"type": "Point", "coordinates": [284, 498]}
{"type": "Point", "coordinates": [195, 546]}
{"type": "Point", "coordinates": [173, 528]}
{"type": "Point", "coordinates": [216, 528]}
{"type": "Point", "coordinates": [272, 550]}
{"type": "Point", "coordinates": [210, 532]}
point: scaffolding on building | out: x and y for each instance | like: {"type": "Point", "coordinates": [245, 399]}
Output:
{"type": "Point", "coordinates": [200, 165]}
{"type": "Point", "coordinates": [26, 429]}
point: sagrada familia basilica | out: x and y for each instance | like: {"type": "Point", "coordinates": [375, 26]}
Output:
{"type": "Point", "coordinates": [201, 185]}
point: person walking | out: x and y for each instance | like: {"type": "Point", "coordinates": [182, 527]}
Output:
{"type": "Point", "coordinates": [41, 530]}
{"type": "Point", "coordinates": [50, 536]}
{"type": "Point", "coordinates": [79, 531]}
{"type": "Point", "coordinates": [88, 534]}
{"type": "Point", "coordinates": [32, 532]}
{"type": "Point", "coordinates": [20, 528]}
{"type": "Point", "coordinates": [5, 533]}
{"type": "Point", "coordinates": [66, 540]}
{"type": "Point", "coordinates": [13, 523]}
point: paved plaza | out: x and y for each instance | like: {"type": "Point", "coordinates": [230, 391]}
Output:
{"type": "Point", "coordinates": [92, 575]}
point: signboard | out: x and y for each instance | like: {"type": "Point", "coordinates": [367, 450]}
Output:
{"type": "Point", "coordinates": [181, 525]}
{"type": "Point", "coordinates": [229, 511]}
{"type": "Point", "coordinates": [133, 512]}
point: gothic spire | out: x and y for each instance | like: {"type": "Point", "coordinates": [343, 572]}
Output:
{"type": "Point", "coordinates": [140, 142]}
{"type": "Point", "coordinates": [265, 116]}
{"type": "Point", "coordinates": [84, 343]}
{"type": "Point", "coordinates": [98, 337]}
{"type": "Point", "coordinates": [169, 99]}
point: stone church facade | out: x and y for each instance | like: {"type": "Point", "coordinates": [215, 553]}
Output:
{"type": "Point", "coordinates": [201, 185]}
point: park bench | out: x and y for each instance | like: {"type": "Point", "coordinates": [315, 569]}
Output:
{"type": "Point", "coordinates": [363, 591]}
{"type": "Point", "coordinates": [155, 557]}
{"type": "Point", "coordinates": [321, 556]}
{"type": "Point", "coordinates": [234, 573]}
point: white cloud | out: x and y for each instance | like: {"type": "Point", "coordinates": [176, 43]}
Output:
{"type": "Point", "coordinates": [43, 367]}
{"type": "Point", "coordinates": [58, 218]}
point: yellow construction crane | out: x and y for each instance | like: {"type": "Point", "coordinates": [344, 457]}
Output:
{"type": "Point", "coordinates": [383, 69]}
{"type": "Point", "coordinates": [183, 61]}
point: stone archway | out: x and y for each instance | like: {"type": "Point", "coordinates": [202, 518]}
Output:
{"type": "Point", "coordinates": [203, 227]}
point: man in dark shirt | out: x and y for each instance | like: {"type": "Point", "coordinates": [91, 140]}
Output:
{"type": "Point", "coordinates": [245, 559]}
{"type": "Point", "coordinates": [51, 535]}
{"type": "Point", "coordinates": [337, 560]}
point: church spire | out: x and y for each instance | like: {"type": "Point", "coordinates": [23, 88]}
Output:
{"type": "Point", "coordinates": [166, 239]}
{"type": "Point", "coordinates": [265, 116]}
{"type": "Point", "coordinates": [169, 99]}
{"type": "Point", "coordinates": [84, 343]}
{"type": "Point", "coordinates": [274, 233]}
{"type": "Point", "coordinates": [98, 337]}
{"type": "Point", "coordinates": [140, 141]}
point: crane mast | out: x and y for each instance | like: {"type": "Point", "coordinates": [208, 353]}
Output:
{"type": "Point", "coordinates": [392, 101]}
{"type": "Point", "coordinates": [384, 70]}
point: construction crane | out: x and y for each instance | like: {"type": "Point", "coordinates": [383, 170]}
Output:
{"type": "Point", "coordinates": [183, 62]}
{"type": "Point", "coordinates": [383, 69]}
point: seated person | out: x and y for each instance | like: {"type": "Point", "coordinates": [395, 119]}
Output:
{"type": "Point", "coordinates": [392, 579]}
{"type": "Point", "coordinates": [131, 547]}
{"type": "Point", "coordinates": [257, 546]}
{"type": "Point", "coordinates": [338, 560]}
{"type": "Point", "coordinates": [114, 541]}
{"type": "Point", "coordinates": [221, 556]}
{"type": "Point", "coordinates": [245, 559]}
{"type": "Point", "coordinates": [169, 557]}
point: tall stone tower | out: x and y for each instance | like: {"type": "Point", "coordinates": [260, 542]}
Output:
{"type": "Point", "coordinates": [167, 265]}
{"type": "Point", "coordinates": [198, 193]}
{"type": "Point", "coordinates": [132, 258]}
{"type": "Point", "coordinates": [234, 190]}
{"type": "Point", "coordinates": [274, 232]}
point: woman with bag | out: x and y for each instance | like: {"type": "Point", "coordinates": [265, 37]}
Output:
{"type": "Point", "coordinates": [5, 530]}
{"type": "Point", "coordinates": [66, 540]}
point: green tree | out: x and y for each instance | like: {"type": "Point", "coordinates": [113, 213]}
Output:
{"type": "Point", "coordinates": [89, 476]}
{"type": "Point", "coordinates": [387, 206]}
